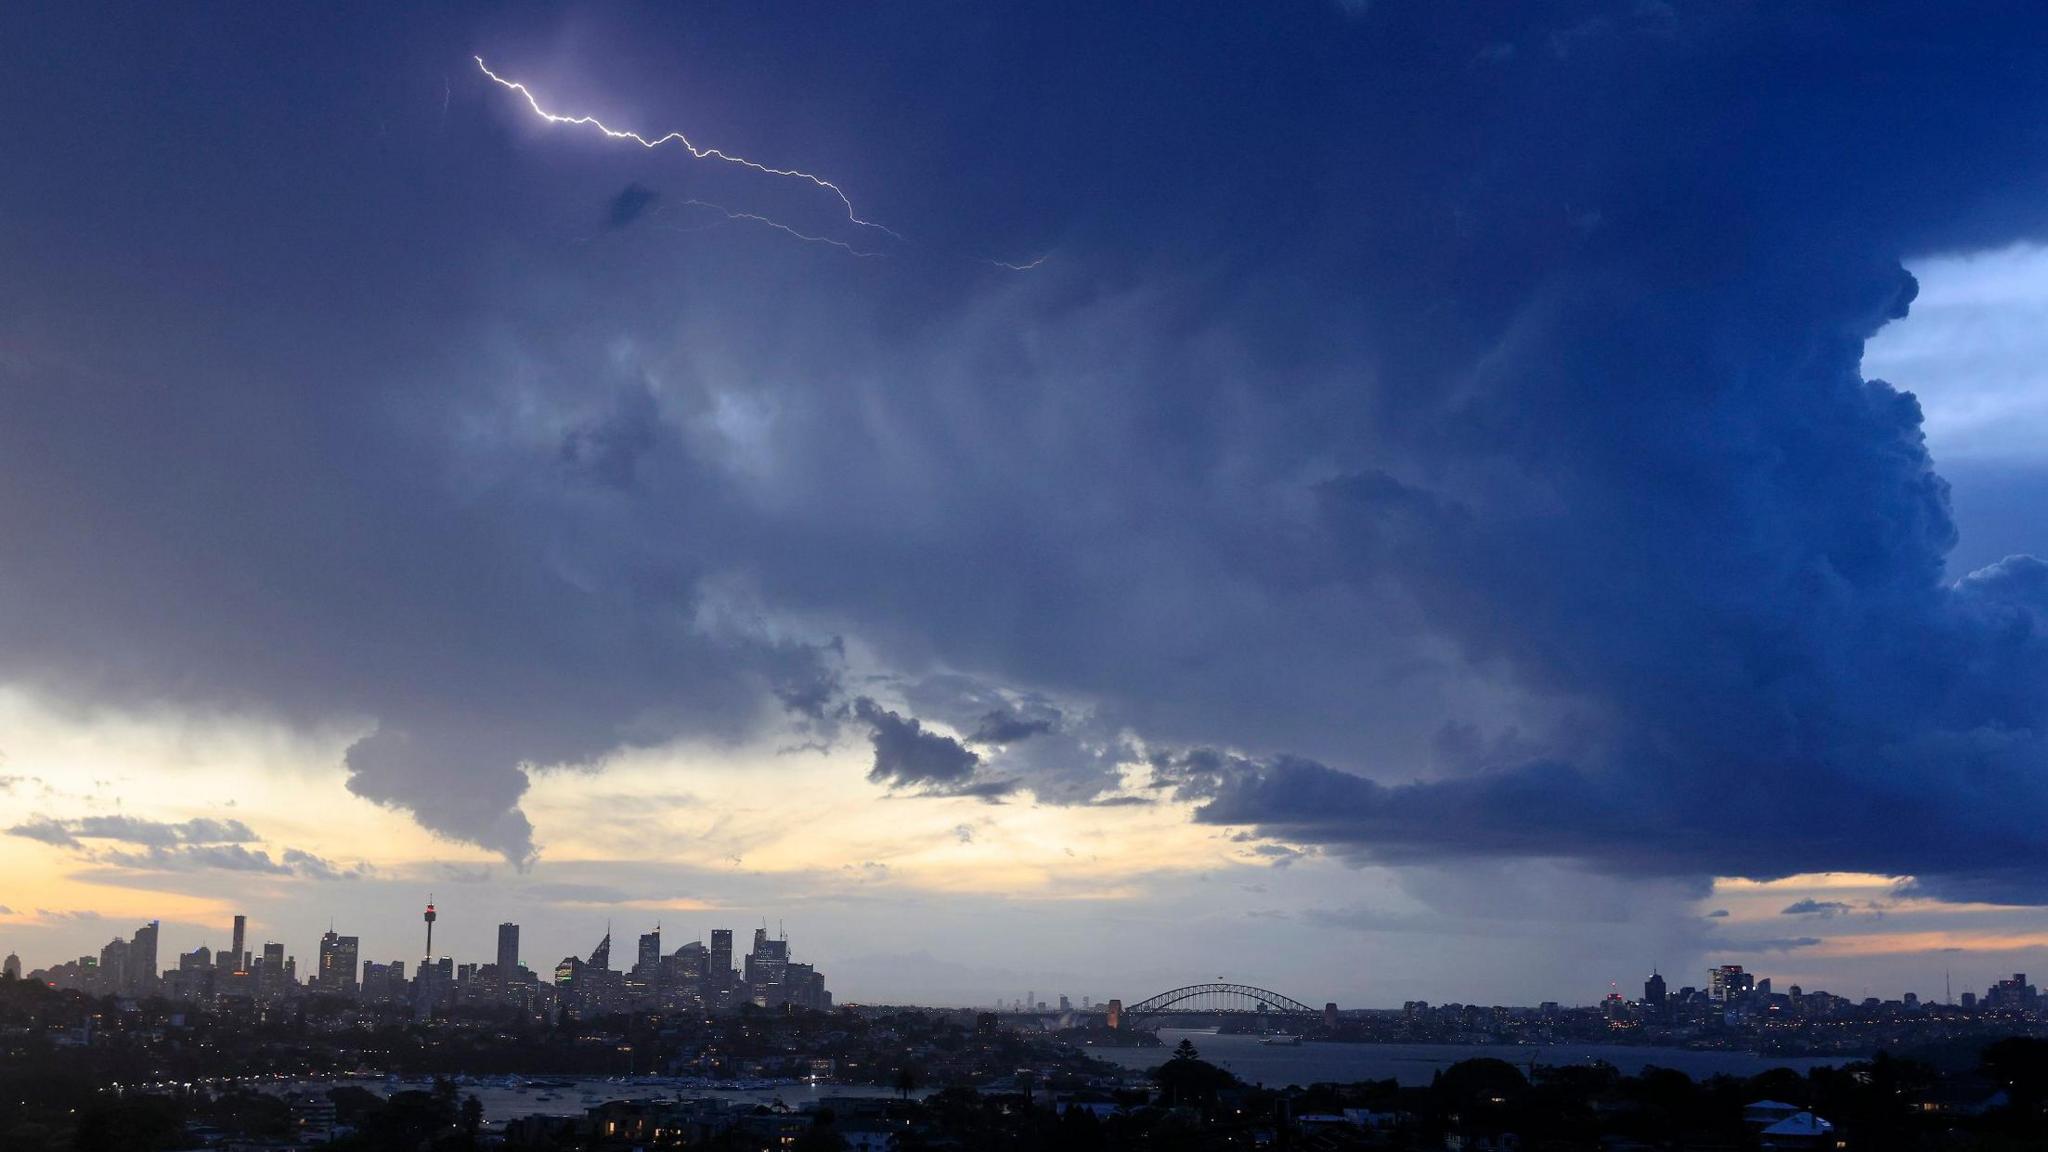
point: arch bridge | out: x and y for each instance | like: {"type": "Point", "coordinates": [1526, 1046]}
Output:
{"type": "Point", "coordinates": [1220, 1000]}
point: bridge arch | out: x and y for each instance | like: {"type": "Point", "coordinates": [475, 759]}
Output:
{"type": "Point", "coordinates": [1213, 999]}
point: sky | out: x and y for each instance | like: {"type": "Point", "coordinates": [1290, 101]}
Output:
{"type": "Point", "coordinates": [1375, 500]}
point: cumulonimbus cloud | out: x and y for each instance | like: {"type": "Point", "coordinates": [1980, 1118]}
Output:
{"type": "Point", "coordinates": [1508, 389]}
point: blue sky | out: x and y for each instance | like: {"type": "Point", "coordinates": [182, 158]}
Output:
{"type": "Point", "coordinates": [1398, 491]}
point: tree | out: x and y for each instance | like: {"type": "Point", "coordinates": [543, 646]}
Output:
{"type": "Point", "coordinates": [472, 1118]}
{"type": "Point", "coordinates": [1186, 1050]}
{"type": "Point", "coordinates": [133, 1124]}
{"type": "Point", "coordinates": [1481, 1080]}
{"type": "Point", "coordinates": [2020, 1066]}
{"type": "Point", "coordinates": [1080, 1131]}
{"type": "Point", "coordinates": [1188, 1080]}
{"type": "Point", "coordinates": [822, 1136]}
{"type": "Point", "coordinates": [906, 1081]}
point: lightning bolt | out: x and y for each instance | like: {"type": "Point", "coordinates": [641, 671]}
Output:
{"type": "Point", "coordinates": [775, 224]}
{"type": "Point", "coordinates": [699, 153]}
{"type": "Point", "coordinates": [1017, 267]}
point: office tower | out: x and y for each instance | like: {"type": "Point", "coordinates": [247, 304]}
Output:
{"type": "Point", "coordinates": [238, 960]}
{"type": "Point", "coordinates": [601, 956]}
{"type": "Point", "coordinates": [142, 960]}
{"type": "Point", "coordinates": [1653, 990]}
{"type": "Point", "coordinates": [376, 981]}
{"type": "Point", "coordinates": [270, 971]}
{"type": "Point", "coordinates": [765, 972]}
{"type": "Point", "coordinates": [720, 974]}
{"type": "Point", "coordinates": [1729, 982]}
{"type": "Point", "coordinates": [683, 977]}
{"type": "Point", "coordinates": [2013, 993]}
{"type": "Point", "coordinates": [430, 926]}
{"type": "Point", "coordinates": [12, 968]}
{"type": "Point", "coordinates": [337, 972]}
{"type": "Point", "coordinates": [113, 968]}
{"type": "Point", "coordinates": [508, 955]}
{"type": "Point", "coordinates": [644, 981]}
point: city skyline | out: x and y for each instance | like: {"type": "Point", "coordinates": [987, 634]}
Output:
{"type": "Point", "coordinates": [348, 974]}
{"type": "Point", "coordinates": [1386, 501]}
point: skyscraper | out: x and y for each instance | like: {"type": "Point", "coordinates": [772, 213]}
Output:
{"type": "Point", "coordinates": [113, 969]}
{"type": "Point", "coordinates": [508, 955]}
{"type": "Point", "coordinates": [337, 972]}
{"type": "Point", "coordinates": [1653, 990]}
{"type": "Point", "coordinates": [270, 977]}
{"type": "Point", "coordinates": [430, 926]}
{"type": "Point", "coordinates": [720, 974]}
{"type": "Point", "coordinates": [767, 965]}
{"type": "Point", "coordinates": [12, 968]}
{"type": "Point", "coordinates": [239, 961]}
{"type": "Point", "coordinates": [141, 979]}
{"type": "Point", "coordinates": [683, 977]}
{"type": "Point", "coordinates": [1729, 982]}
{"type": "Point", "coordinates": [644, 981]}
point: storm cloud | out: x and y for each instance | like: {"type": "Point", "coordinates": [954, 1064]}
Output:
{"type": "Point", "coordinates": [629, 205]}
{"type": "Point", "coordinates": [152, 834]}
{"type": "Point", "coordinates": [1435, 434]}
{"type": "Point", "coordinates": [907, 754]}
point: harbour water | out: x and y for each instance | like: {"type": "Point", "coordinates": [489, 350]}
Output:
{"type": "Point", "coordinates": [507, 1098]}
{"type": "Point", "coordinates": [1413, 1064]}
{"type": "Point", "coordinates": [1273, 1065]}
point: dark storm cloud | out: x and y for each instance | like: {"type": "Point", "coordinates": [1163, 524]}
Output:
{"type": "Point", "coordinates": [907, 754]}
{"type": "Point", "coordinates": [314, 867]}
{"type": "Point", "coordinates": [1507, 374]}
{"type": "Point", "coordinates": [133, 830]}
{"type": "Point", "coordinates": [629, 205]}
{"type": "Point", "coordinates": [1118, 802]}
{"type": "Point", "coordinates": [1001, 727]}
{"type": "Point", "coordinates": [1063, 755]}
{"type": "Point", "coordinates": [224, 858]}
{"type": "Point", "coordinates": [46, 830]}
{"type": "Point", "coordinates": [1663, 497]}
{"type": "Point", "coordinates": [183, 858]}
{"type": "Point", "coordinates": [1769, 944]}
{"type": "Point", "coordinates": [159, 846]}
{"type": "Point", "coordinates": [1825, 909]}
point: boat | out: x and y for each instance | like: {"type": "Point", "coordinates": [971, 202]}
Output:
{"type": "Point", "coordinates": [1282, 1041]}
